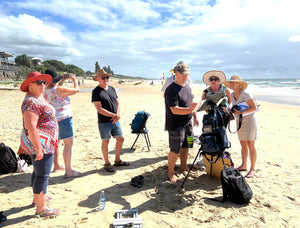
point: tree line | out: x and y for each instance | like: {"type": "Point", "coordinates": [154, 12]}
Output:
{"type": "Point", "coordinates": [26, 66]}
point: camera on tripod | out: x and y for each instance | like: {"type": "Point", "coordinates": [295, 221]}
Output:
{"type": "Point", "coordinates": [213, 139]}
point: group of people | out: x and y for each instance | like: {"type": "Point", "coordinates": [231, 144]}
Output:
{"type": "Point", "coordinates": [179, 112]}
{"type": "Point", "coordinates": [47, 119]}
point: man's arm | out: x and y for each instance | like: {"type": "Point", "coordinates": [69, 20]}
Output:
{"type": "Point", "coordinates": [103, 111]}
{"type": "Point", "coordinates": [176, 110]}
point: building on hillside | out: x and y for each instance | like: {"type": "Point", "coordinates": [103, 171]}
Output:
{"type": "Point", "coordinates": [36, 61]}
{"type": "Point", "coordinates": [8, 70]}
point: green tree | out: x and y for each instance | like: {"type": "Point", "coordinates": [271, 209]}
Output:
{"type": "Point", "coordinates": [97, 67]}
{"type": "Point", "coordinates": [89, 73]}
{"type": "Point", "coordinates": [75, 70]}
{"type": "Point", "coordinates": [23, 60]}
{"type": "Point", "coordinates": [55, 65]}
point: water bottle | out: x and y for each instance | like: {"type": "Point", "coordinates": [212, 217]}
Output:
{"type": "Point", "coordinates": [102, 201]}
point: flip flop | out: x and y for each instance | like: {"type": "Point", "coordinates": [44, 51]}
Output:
{"type": "Point", "coordinates": [74, 174]}
{"type": "Point", "coordinates": [109, 168]}
{"type": "Point", "coordinates": [121, 163]}
{"type": "Point", "coordinates": [137, 181]}
{"type": "Point", "coordinates": [240, 169]}
{"type": "Point", "coordinates": [250, 175]}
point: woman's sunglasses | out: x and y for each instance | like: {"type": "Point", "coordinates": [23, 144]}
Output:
{"type": "Point", "coordinates": [105, 77]}
{"type": "Point", "coordinates": [214, 79]}
{"type": "Point", "coordinates": [40, 82]}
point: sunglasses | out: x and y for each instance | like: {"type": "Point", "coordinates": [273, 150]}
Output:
{"type": "Point", "coordinates": [105, 77]}
{"type": "Point", "coordinates": [214, 79]}
{"type": "Point", "coordinates": [40, 82]}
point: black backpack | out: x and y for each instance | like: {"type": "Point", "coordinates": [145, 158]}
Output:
{"type": "Point", "coordinates": [234, 186]}
{"type": "Point", "coordinates": [214, 138]}
{"type": "Point", "coordinates": [8, 160]}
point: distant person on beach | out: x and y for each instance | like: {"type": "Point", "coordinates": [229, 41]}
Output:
{"type": "Point", "coordinates": [105, 100]}
{"type": "Point", "coordinates": [169, 80]}
{"type": "Point", "coordinates": [214, 80]}
{"type": "Point", "coordinates": [247, 132]}
{"type": "Point", "coordinates": [179, 106]}
{"type": "Point", "coordinates": [58, 97]}
{"type": "Point", "coordinates": [39, 122]}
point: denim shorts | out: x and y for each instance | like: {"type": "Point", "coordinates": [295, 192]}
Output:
{"type": "Point", "coordinates": [178, 137]}
{"type": "Point", "coordinates": [66, 128]}
{"type": "Point", "coordinates": [110, 129]}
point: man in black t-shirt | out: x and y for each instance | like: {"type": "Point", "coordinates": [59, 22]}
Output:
{"type": "Point", "coordinates": [179, 106]}
{"type": "Point", "coordinates": [105, 100]}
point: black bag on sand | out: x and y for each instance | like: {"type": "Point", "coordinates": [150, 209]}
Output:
{"type": "Point", "coordinates": [8, 160]}
{"type": "Point", "coordinates": [235, 187]}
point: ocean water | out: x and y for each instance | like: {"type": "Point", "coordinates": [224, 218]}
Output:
{"type": "Point", "coordinates": [281, 91]}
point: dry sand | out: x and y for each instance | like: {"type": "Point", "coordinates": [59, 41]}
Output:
{"type": "Point", "coordinates": [161, 204]}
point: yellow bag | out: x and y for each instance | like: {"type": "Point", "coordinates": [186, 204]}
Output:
{"type": "Point", "coordinates": [214, 164]}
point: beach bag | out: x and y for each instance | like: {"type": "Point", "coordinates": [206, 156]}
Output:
{"type": "Point", "coordinates": [139, 121]}
{"type": "Point", "coordinates": [8, 160]}
{"type": "Point", "coordinates": [214, 164]}
{"type": "Point", "coordinates": [235, 187]}
{"type": "Point", "coordinates": [27, 146]}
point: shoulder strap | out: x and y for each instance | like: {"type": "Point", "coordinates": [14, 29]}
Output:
{"type": "Point", "coordinates": [239, 126]}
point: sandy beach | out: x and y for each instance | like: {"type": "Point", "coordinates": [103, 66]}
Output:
{"type": "Point", "coordinates": [276, 186]}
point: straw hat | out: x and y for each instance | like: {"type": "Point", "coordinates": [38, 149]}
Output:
{"type": "Point", "coordinates": [32, 77]}
{"type": "Point", "coordinates": [214, 73]}
{"type": "Point", "coordinates": [236, 78]}
{"type": "Point", "coordinates": [55, 76]}
{"type": "Point", "coordinates": [100, 73]}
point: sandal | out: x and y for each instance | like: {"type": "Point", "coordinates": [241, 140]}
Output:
{"type": "Point", "coordinates": [74, 174]}
{"type": "Point", "coordinates": [108, 167]}
{"type": "Point", "coordinates": [121, 163]}
{"type": "Point", "coordinates": [48, 212]}
{"type": "Point", "coordinates": [137, 181]}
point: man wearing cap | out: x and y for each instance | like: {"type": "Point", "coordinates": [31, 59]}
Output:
{"type": "Point", "coordinates": [179, 106]}
{"type": "Point", "coordinates": [106, 102]}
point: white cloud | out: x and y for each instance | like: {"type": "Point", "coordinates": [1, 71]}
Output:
{"type": "Point", "coordinates": [295, 38]}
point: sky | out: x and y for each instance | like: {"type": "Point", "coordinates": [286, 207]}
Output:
{"type": "Point", "coordinates": [250, 38]}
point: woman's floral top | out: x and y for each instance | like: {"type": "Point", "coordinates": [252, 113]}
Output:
{"type": "Point", "coordinates": [62, 105]}
{"type": "Point", "coordinates": [47, 124]}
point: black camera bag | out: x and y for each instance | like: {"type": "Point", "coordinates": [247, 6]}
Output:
{"type": "Point", "coordinates": [214, 138]}
{"type": "Point", "coordinates": [235, 187]}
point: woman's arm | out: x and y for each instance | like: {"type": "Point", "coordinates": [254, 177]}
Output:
{"type": "Point", "coordinates": [30, 122]}
{"type": "Point", "coordinates": [228, 95]}
{"type": "Point", "coordinates": [65, 91]}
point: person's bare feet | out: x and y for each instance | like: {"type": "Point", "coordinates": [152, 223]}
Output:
{"type": "Point", "coordinates": [173, 179]}
{"type": "Point", "coordinates": [250, 174]}
{"type": "Point", "coordinates": [58, 168]}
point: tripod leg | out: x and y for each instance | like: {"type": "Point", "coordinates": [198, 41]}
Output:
{"type": "Point", "coordinates": [191, 168]}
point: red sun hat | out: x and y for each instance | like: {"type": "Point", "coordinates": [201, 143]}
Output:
{"type": "Point", "coordinates": [32, 77]}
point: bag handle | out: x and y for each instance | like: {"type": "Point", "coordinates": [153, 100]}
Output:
{"type": "Point", "coordinates": [239, 126]}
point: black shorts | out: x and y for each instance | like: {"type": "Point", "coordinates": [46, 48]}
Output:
{"type": "Point", "coordinates": [178, 137]}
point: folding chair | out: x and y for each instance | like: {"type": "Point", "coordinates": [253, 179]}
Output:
{"type": "Point", "coordinates": [143, 130]}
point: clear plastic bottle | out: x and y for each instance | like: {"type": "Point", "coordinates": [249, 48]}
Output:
{"type": "Point", "coordinates": [102, 201]}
